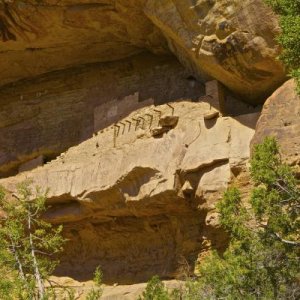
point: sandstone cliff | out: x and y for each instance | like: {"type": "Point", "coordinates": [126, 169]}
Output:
{"type": "Point", "coordinates": [230, 40]}
{"type": "Point", "coordinates": [281, 118]}
{"type": "Point", "coordinates": [137, 115]}
{"type": "Point", "coordinates": [140, 204]}
{"type": "Point", "coordinates": [49, 114]}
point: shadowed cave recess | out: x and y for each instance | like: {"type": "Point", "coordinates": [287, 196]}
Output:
{"type": "Point", "coordinates": [132, 201]}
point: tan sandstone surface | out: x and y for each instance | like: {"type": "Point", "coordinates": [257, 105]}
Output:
{"type": "Point", "coordinates": [140, 205]}
{"type": "Point", "coordinates": [113, 106]}
{"type": "Point", "coordinates": [48, 114]}
{"type": "Point", "coordinates": [280, 118]}
{"type": "Point", "coordinates": [230, 40]}
{"type": "Point", "coordinates": [110, 292]}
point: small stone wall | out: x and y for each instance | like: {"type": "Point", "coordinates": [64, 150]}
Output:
{"type": "Point", "coordinates": [115, 110]}
{"type": "Point", "coordinates": [111, 112]}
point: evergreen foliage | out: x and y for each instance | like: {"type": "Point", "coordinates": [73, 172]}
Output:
{"type": "Point", "coordinates": [96, 292]}
{"type": "Point", "coordinates": [262, 261]}
{"type": "Point", "coordinates": [28, 250]}
{"type": "Point", "coordinates": [289, 11]}
{"type": "Point", "coordinates": [28, 246]}
{"type": "Point", "coordinates": [155, 290]}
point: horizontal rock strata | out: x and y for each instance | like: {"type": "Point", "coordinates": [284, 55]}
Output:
{"type": "Point", "coordinates": [232, 41]}
{"type": "Point", "coordinates": [140, 205]}
{"type": "Point", "coordinates": [49, 114]}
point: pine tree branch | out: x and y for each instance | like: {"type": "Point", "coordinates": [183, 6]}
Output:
{"type": "Point", "coordinates": [293, 243]}
{"type": "Point", "coordinates": [43, 253]}
{"type": "Point", "coordinates": [37, 274]}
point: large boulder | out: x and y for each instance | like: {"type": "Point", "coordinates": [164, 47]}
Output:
{"type": "Point", "coordinates": [232, 41]}
{"type": "Point", "coordinates": [281, 118]}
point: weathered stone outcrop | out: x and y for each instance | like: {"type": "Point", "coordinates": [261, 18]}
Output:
{"type": "Point", "coordinates": [119, 84]}
{"type": "Point", "coordinates": [139, 205]}
{"type": "Point", "coordinates": [115, 292]}
{"type": "Point", "coordinates": [41, 36]}
{"type": "Point", "coordinates": [230, 40]}
{"type": "Point", "coordinates": [47, 115]}
{"type": "Point", "coordinates": [281, 118]}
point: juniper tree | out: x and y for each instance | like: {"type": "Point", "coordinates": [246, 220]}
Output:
{"type": "Point", "coordinates": [28, 245]}
{"type": "Point", "coordinates": [289, 12]}
{"type": "Point", "coordinates": [262, 260]}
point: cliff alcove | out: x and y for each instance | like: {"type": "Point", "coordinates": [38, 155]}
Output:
{"type": "Point", "coordinates": [48, 114]}
{"type": "Point", "coordinates": [137, 115]}
{"type": "Point", "coordinates": [137, 204]}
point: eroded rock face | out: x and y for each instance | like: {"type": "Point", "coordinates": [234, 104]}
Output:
{"type": "Point", "coordinates": [137, 196]}
{"type": "Point", "coordinates": [281, 118]}
{"type": "Point", "coordinates": [230, 40]}
{"type": "Point", "coordinates": [139, 205]}
{"type": "Point", "coordinates": [115, 292]}
{"type": "Point", "coordinates": [41, 36]}
{"type": "Point", "coordinates": [47, 115]}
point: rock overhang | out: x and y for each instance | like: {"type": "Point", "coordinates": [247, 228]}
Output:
{"type": "Point", "coordinates": [231, 41]}
{"type": "Point", "coordinates": [138, 204]}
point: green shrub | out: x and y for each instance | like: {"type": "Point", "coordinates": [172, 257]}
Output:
{"type": "Point", "coordinates": [28, 246]}
{"type": "Point", "coordinates": [262, 260]}
{"type": "Point", "coordinates": [289, 11]}
{"type": "Point", "coordinates": [96, 292]}
{"type": "Point", "coordinates": [155, 290]}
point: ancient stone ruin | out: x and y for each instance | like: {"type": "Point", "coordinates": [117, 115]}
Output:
{"type": "Point", "coordinates": [137, 115]}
